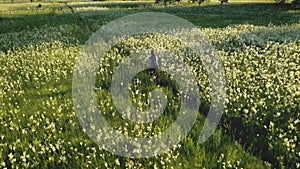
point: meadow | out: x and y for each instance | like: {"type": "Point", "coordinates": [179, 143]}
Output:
{"type": "Point", "coordinates": [259, 44]}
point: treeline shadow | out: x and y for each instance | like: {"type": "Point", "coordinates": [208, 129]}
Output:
{"type": "Point", "coordinates": [203, 16]}
{"type": "Point", "coordinates": [88, 21]}
{"type": "Point", "coordinates": [220, 16]}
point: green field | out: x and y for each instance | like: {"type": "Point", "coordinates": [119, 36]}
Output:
{"type": "Point", "coordinates": [258, 42]}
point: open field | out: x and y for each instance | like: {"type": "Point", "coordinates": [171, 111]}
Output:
{"type": "Point", "coordinates": [259, 44]}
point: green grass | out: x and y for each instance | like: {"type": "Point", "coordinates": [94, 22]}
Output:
{"type": "Point", "coordinates": [258, 43]}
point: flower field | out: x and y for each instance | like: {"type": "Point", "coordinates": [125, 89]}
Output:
{"type": "Point", "coordinates": [259, 45]}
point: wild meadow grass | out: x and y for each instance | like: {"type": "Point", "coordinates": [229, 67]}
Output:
{"type": "Point", "coordinates": [259, 45]}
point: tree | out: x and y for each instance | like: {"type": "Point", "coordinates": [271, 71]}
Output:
{"type": "Point", "coordinates": [199, 1]}
{"type": "Point", "coordinates": [223, 1]}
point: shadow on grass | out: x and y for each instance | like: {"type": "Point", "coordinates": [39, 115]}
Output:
{"type": "Point", "coordinates": [214, 16]}
{"type": "Point", "coordinates": [219, 16]}
{"type": "Point", "coordinates": [90, 20]}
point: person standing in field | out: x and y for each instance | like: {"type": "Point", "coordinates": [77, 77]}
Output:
{"type": "Point", "coordinates": [153, 59]}
{"type": "Point", "coordinates": [154, 65]}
